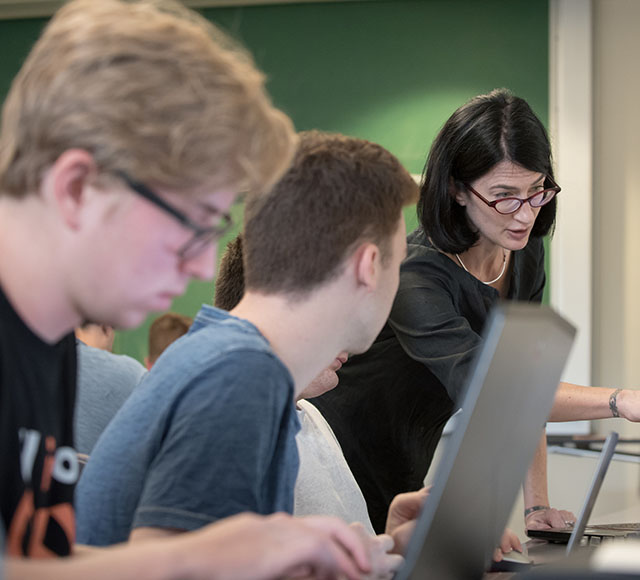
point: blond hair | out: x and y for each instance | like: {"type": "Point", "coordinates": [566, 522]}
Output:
{"type": "Point", "coordinates": [149, 88]}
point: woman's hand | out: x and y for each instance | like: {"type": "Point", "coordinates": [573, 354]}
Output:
{"type": "Point", "coordinates": [546, 518]}
{"type": "Point", "coordinates": [627, 402]}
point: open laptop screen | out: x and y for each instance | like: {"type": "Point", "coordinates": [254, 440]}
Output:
{"type": "Point", "coordinates": [507, 400]}
{"type": "Point", "coordinates": [594, 489]}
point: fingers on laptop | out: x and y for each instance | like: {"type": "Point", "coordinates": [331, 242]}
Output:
{"type": "Point", "coordinates": [549, 518]}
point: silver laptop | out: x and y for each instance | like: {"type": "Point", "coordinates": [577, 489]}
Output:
{"type": "Point", "coordinates": [507, 400]}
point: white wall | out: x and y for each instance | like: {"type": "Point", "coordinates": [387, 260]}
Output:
{"type": "Point", "coordinates": [571, 119]}
{"type": "Point", "coordinates": [610, 187]}
{"type": "Point", "coordinates": [616, 224]}
{"type": "Point", "coordinates": [595, 255]}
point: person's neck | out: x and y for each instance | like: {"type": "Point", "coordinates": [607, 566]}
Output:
{"type": "Point", "coordinates": [484, 259]}
{"type": "Point", "coordinates": [301, 332]}
{"type": "Point", "coordinates": [30, 269]}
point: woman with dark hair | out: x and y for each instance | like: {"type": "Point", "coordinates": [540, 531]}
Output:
{"type": "Point", "coordinates": [488, 197]}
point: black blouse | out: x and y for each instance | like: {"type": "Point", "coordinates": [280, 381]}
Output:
{"type": "Point", "coordinates": [393, 401]}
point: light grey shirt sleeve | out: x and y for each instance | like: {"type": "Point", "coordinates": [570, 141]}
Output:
{"type": "Point", "coordinates": [325, 484]}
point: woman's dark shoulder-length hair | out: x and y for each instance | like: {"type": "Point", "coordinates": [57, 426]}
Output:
{"type": "Point", "coordinates": [484, 131]}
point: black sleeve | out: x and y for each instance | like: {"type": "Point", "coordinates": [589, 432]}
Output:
{"type": "Point", "coordinates": [429, 324]}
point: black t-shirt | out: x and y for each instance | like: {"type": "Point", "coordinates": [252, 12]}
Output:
{"type": "Point", "coordinates": [393, 401]}
{"type": "Point", "coordinates": [38, 465]}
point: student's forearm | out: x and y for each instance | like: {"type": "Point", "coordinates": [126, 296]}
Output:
{"type": "Point", "coordinates": [150, 562]}
{"type": "Point", "coordinates": [241, 547]}
{"type": "Point", "coordinates": [576, 403]}
{"type": "Point", "coordinates": [84, 550]}
{"type": "Point", "coordinates": [148, 533]}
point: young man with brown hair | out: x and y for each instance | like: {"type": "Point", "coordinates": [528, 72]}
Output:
{"type": "Point", "coordinates": [125, 138]}
{"type": "Point", "coordinates": [324, 484]}
{"type": "Point", "coordinates": [163, 331]}
{"type": "Point", "coordinates": [230, 282]}
{"type": "Point", "coordinates": [322, 256]}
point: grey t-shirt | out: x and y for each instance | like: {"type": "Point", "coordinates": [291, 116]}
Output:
{"type": "Point", "coordinates": [105, 381]}
{"type": "Point", "coordinates": [208, 433]}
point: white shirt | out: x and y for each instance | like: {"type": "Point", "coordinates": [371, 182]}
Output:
{"type": "Point", "coordinates": [325, 484]}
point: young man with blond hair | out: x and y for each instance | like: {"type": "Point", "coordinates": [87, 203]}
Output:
{"type": "Point", "coordinates": [211, 429]}
{"type": "Point", "coordinates": [125, 138]}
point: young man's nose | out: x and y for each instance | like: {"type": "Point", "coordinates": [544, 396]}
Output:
{"type": "Point", "coordinates": [203, 265]}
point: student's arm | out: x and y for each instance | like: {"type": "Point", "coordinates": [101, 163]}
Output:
{"type": "Point", "coordinates": [576, 403]}
{"type": "Point", "coordinates": [143, 534]}
{"type": "Point", "coordinates": [243, 547]}
{"type": "Point", "coordinates": [84, 550]}
{"type": "Point", "coordinates": [385, 561]}
{"type": "Point", "coordinates": [538, 514]}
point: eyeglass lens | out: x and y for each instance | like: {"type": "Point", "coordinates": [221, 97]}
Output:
{"type": "Point", "coordinates": [511, 205]}
{"type": "Point", "coordinates": [199, 242]}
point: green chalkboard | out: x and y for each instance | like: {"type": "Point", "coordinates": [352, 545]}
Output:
{"type": "Point", "coordinates": [391, 71]}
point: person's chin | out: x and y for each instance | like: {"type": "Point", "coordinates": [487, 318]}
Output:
{"type": "Point", "coordinates": [130, 319]}
{"type": "Point", "coordinates": [159, 302]}
{"type": "Point", "coordinates": [517, 239]}
{"type": "Point", "coordinates": [136, 314]}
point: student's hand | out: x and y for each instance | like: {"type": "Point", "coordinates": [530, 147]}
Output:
{"type": "Point", "coordinates": [508, 542]}
{"type": "Point", "coordinates": [251, 547]}
{"type": "Point", "coordinates": [401, 518]}
{"type": "Point", "coordinates": [549, 518]}
{"type": "Point", "coordinates": [383, 563]}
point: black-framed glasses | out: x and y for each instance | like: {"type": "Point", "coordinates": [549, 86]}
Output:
{"type": "Point", "coordinates": [202, 237]}
{"type": "Point", "coordinates": [507, 205]}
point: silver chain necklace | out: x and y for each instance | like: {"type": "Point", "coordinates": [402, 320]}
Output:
{"type": "Point", "coordinates": [504, 267]}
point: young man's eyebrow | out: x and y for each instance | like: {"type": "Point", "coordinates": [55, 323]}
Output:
{"type": "Point", "coordinates": [213, 210]}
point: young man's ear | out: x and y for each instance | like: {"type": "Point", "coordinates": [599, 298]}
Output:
{"type": "Point", "coordinates": [367, 265]}
{"type": "Point", "coordinates": [64, 184]}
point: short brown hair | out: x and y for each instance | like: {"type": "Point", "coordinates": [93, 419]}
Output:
{"type": "Point", "coordinates": [230, 277]}
{"type": "Point", "coordinates": [149, 88]}
{"type": "Point", "coordinates": [164, 330]}
{"type": "Point", "coordinates": [339, 192]}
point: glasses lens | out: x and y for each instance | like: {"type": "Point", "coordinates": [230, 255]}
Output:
{"type": "Point", "coordinates": [542, 198]}
{"type": "Point", "coordinates": [205, 238]}
{"type": "Point", "coordinates": [196, 245]}
{"type": "Point", "coordinates": [508, 205]}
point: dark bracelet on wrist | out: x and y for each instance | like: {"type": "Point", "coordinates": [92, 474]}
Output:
{"type": "Point", "coordinates": [613, 403]}
{"type": "Point", "coordinates": [535, 508]}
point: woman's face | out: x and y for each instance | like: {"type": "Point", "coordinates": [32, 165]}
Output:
{"type": "Point", "coordinates": [506, 179]}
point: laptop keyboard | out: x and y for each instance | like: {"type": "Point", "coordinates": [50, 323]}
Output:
{"type": "Point", "coordinates": [631, 527]}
